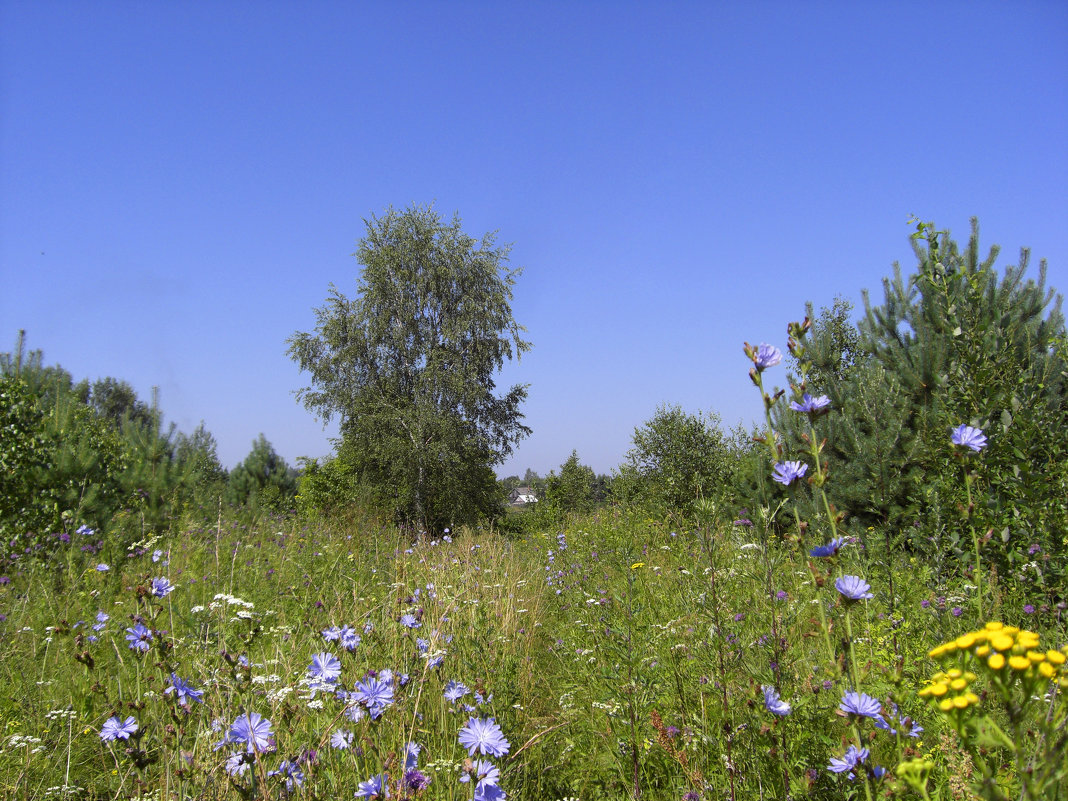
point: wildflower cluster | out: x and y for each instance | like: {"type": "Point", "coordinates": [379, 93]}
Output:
{"type": "Point", "coordinates": [1005, 654]}
{"type": "Point", "coordinates": [1025, 680]}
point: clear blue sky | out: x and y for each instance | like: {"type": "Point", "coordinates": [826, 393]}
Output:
{"type": "Point", "coordinates": [180, 182]}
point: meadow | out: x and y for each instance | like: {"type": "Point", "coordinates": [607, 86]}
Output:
{"type": "Point", "coordinates": [757, 634]}
{"type": "Point", "coordinates": [617, 657]}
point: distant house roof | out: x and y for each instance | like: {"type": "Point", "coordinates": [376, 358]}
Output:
{"type": "Point", "coordinates": [521, 496]}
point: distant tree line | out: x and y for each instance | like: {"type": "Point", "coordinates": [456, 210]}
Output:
{"type": "Point", "coordinates": [93, 453]}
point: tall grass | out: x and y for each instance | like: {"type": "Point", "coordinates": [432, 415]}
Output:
{"type": "Point", "coordinates": [620, 658]}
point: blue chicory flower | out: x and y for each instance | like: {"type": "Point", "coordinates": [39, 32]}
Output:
{"type": "Point", "coordinates": [773, 703]}
{"type": "Point", "coordinates": [848, 761]}
{"type": "Point", "coordinates": [237, 764]}
{"type": "Point", "coordinates": [483, 772]}
{"type": "Point", "coordinates": [893, 718]}
{"type": "Point", "coordinates": [489, 792]}
{"type": "Point", "coordinates": [375, 787]}
{"type": "Point", "coordinates": [183, 691]}
{"type": "Point", "coordinates": [766, 356]}
{"type": "Point", "coordinates": [860, 704]}
{"type": "Point", "coordinates": [786, 472]}
{"type": "Point", "coordinates": [968, 437]}
{"type": "Point", "coordinates": [325, 667]}
{"type": "Point", "coordinates": [252, 729]}
{"type": "Point", "coordinates": [161, 587]}
{"type": "Point", "coordinates": [811, 405]}
{"type": "Point", "coordinates": [139, 637]}
{"type": "Point", "coordinates": [485, 737]}
{"type": "Point", "coordinates": [853, 588]}
{"type": "Point", "coordinates": [830, 549]}
{"type": "Point", "coordinates": [341, 739]}
{"type": "Point", "coordinates": [115, 729]}
{"type": "Point", "coordinates": [374, 695]}
{"type": "Point", "coordinates": [291, 772]}
{"type": "Point", "coordinates": [454, 691]}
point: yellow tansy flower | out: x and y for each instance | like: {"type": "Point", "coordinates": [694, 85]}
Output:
{"type": "Point", "coordinates": [965, 641]}
{"type": "Point", "coordinates": [996, 662]}
{"type": "Point", "coordinates": [1002, 642]}
{"type": "Point", "coordinates": [1019, 662]}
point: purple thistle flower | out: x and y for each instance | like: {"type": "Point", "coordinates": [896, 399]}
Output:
{"type": "Point", "coordinates": [766, 356]}
{"type": "Point", "coordinates": [968, 437]}
{"type": "Point", "coordinates": [786, 472]}
{"type": "Point", "coordinates": [139, 637]}
{"type": "Point", "coordinates": [485, 737]}
{"type": "Point", "coordinates": [956, 611]}
{"type": "Point", "coordinates": [773, 703]}
{"type": "Point", "coordinates": [114, 729]}
{"type": "Point", "coordinates": [1029, 609]}
{"type": "Point", "coordinates": [183, 692]}
{"type": "Point", "coordinates": [811, 405]}
{"type": "Point", "coordinates": [853, 588]}
{"type": "Point", "coordinates": [860, 704]}
{"type": "Point", "coordinates": [252, 729]}
{"type": "Point", "coordinates": [415, 780]}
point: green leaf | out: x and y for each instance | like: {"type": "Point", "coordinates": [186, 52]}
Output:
{"type": "Point", "coordinates": [989, 735]}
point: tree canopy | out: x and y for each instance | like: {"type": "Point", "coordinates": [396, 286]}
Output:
{"type": "Point", "coordinates": [407, 367]}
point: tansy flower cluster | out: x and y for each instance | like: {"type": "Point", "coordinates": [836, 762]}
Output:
{"type": "Point", "coordinates": [1005, 654]}
{"type": "Point", "coordinates": [950, 689]}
